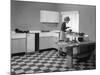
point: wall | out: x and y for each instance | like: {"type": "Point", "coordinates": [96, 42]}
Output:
{"type": "Point", "coordinates": [26, 16]}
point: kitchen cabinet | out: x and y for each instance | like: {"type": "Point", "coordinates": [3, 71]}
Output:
{"type": "Point", "coordinates": [23, 43]}
{"type": "Point", "coordinates": [54, 41]}
{"type": "Point", "coordinates": [18, 45]}
{"type": "Point", "coordinates": [48, 42]}
{"type": "Point", "coordinates": [30, 42]}
{"type": "Point", "coordinates": [44, 42]}
{"type": "Point", "coordinates": [49, 16]}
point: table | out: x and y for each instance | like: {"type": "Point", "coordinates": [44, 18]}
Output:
{"type": "Point", "coordinates": [62, 44]}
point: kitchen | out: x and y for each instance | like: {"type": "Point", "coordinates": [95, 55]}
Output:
{"type": "Point", "coordinates": [43, 31]}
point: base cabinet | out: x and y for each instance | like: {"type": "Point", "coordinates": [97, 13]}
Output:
{"type": "Point", "coordinates": [48, 42]}
{"type": "Point", "coordinates": [54, 41]}
{"type": "Point", "coordinates": [26, 44]}
{"type": "Point", "coordinates": [18, 45]}
{"type": "Point", "coordinates": [30, 42]}
{"type": "Point", "coordinates": [44, 43]}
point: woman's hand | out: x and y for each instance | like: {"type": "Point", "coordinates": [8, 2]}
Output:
{"type": "Point", "coordinates": [67, 27]}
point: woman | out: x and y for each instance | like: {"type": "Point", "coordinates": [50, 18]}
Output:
{"type": "Point", "coordinates": [64, 27]}
{"type": "Point", "coordinates": [63, 50]}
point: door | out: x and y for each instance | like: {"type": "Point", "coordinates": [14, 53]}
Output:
{"type": "Point", "coordinates": [30, 42]}
{"type": "Point", "coordinates": [74, 19]}
{"type": "Point", "coordinates": [18, 45]}
{"type": "Point", "coordinates": [44, 43]}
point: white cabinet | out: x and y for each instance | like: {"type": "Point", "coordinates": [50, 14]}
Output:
{"type": "Point", "coordinates": [31, 42]}
{"type": "Point", "coordinates": [49, 16]}
{"type": "Point", "coordinates": [48, 42]}
{"type": "Point", "coordinates": [44, 43]}
{"type": "Point", "coordinates": [54, 41]}
{"type": "Point", "coordinates": [18, 45]}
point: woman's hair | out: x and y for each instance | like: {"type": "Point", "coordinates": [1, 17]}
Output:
{"type": "Point", "coordinates": [66, 19]}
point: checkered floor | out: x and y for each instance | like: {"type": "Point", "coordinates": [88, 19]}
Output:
{"type": "Point", "coordinates": [46, 61]}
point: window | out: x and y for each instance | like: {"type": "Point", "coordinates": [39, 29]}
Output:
{"type": "Point", "coordinates": [74, 19]}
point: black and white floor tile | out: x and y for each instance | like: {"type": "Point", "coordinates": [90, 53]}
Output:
{"type": "Point", "coordinates": [46, 61]}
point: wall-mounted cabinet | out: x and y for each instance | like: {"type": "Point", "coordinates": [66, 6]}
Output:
{"type": "Point", "coordinates": [49, 16]}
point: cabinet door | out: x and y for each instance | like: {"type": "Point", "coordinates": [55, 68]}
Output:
{"type": "Point", "coordinates": [18, 45]}
{"type": "Point", "coordinates": [44, 43]}
{"type": "Point", "coordinates": [49, 16]}
{"type": "Point", "coordinates": [30, 42]}
{"type": "Point", "coordinates": [54, 41]}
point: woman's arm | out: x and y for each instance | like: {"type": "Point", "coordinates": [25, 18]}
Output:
{"type": "Point", "coordinates": [67, 27]}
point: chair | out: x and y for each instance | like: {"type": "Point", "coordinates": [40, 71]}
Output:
{"type": "Point", "coordinates": [85, 51]}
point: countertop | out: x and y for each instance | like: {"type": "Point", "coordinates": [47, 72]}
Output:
{"type": "Point", "coordinates": [41, 34]}
{"type": "Point", "coordinates": [49, 34]}
{"type": "Point", "coordinates": [18, 35]}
